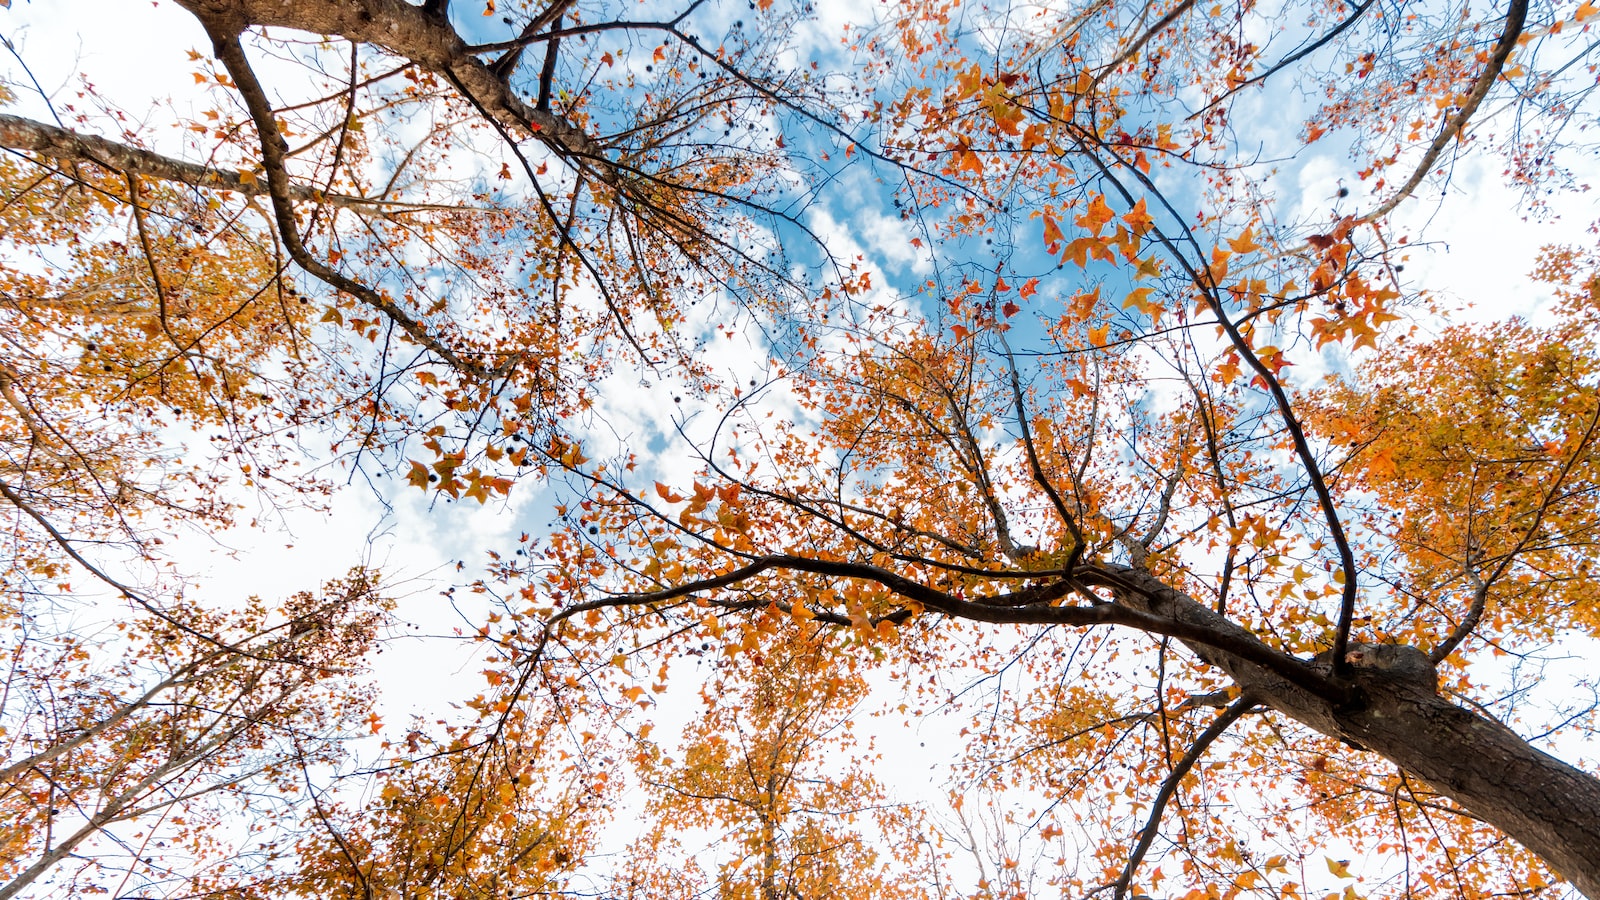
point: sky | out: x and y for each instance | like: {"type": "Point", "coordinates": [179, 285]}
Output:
{"type": "Point", "coordinates": [1474, 244]}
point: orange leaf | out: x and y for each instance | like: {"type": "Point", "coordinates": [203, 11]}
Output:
{"type": "Point", "coordinates": [1052, 233]}
{"type": "Point", "coordinates": [1244, 243]}
{"type": "Point", "coordinates": [1097, 215]}
{"type": "Point", "coordinates": [1138, 218]}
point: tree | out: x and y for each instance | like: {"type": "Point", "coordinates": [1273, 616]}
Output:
{"type": "Point", "coordinates": [764, 763]}
{"type": "Point", "coordinates": [1079, 443]}
{"type": "Point", "coordinates": [156, 736]}
{"type": "Point", "coordinates": [450, 824]}
{"type": "Point", "coordinates": [246, 302]}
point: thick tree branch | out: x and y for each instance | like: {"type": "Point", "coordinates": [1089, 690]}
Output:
{"type": "Point", "coordinates": [1545, 804]}
{"type": "Point", "coordinates": [230, 52]}
{"type": "Point", "coordinates": [1202, 275]}
{"type": "Point", "coordinates": [427, 40]}
{"type": "Point", "coordinates": [1022, 608]}
{"type": "Point", "coordinates": [71, 147]}
{"type": "Point", "coordinates": [1516, 15]}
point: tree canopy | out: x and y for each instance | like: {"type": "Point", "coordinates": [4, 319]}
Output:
{"type": "Point", "coordinates": [990, 365]}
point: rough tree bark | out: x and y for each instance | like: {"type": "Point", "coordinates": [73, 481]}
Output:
{"type": "Point", "coordinates": [1549, 806]}
{"type": "Point", "coordinates": [426, 40]}
{"type": "Point", "coordinates": [1543, 803]}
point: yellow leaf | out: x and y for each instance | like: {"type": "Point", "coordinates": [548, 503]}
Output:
{"type": "Point", "coordinates": [1339, 867]}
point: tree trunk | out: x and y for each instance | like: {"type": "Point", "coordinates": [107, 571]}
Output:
{"type": "Point", "coordinates": [1546, 805]}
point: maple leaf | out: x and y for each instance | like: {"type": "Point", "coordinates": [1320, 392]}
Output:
{"type": "Point", "coordinates": [1138, 218]}
{"type": "Point", "coordinates": [1244, 243]}
{"type": "Point", "coordinates": [1081, 250]}
{"type": "Point", "coordinates": [1052, 233]}
{"type": "Point", "coordinates": [419, 475]}
{"type": "Point", "coordinates": [915, 495]}
{"type": "Point", "coordinates": [1137, 300]}
{"type": "Point", "coordinates": [1228, 369]}
{"type": "Point", "coordinates": [1097, 215]}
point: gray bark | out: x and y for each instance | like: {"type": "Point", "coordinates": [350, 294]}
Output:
{"type": "Point", "coordinates": [72, 147]}
{"type": "Point", "coordinates": [411, 33]}
{"type": "Point", "coordinates": [1541, 802]}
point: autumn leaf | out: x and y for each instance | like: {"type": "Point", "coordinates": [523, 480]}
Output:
{"type": "Point", "coordinates": [419, 475]}
{"type": "Point", "coordinates": [1097, 215]}
{"type": "Point", "coordinates": [344, 262]}
{"type": "Point", "coordinates": [1244, 243]}
{"type": "Point", "coordinates": [1137, 300]}
{"type": "Point", "coordinates": [1138, 219]}
{"type": "Point", "coordinates": [1052, 233]}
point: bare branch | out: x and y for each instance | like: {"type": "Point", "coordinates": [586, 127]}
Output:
{"type": "Point", "coordinates": [1169, 787]}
